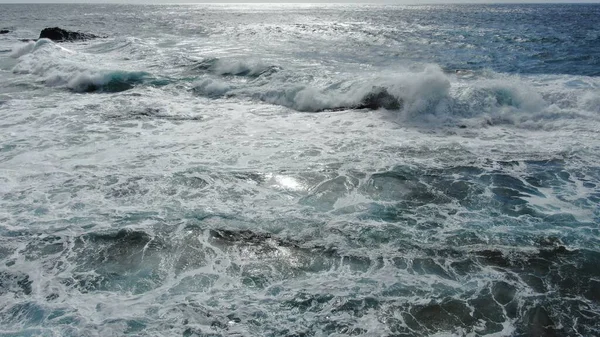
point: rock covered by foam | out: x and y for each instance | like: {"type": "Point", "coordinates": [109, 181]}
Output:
{"type": "Point", "coordinates": [379, 97]}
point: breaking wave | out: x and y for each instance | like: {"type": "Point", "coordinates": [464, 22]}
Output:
{"type": "Point", "coordinates": [299, 171]}
{"type": "Point", "coordinates": [233, 67]}
{"type": "Point", "coordinates": [31, 46]}
{"type": "Point", "coordinates": [106, 81]}
{"type": "Point", "coordinates": [62, 67]}
{"type": "Point", "coordinates": [430, 96]}
{"type": "Point", "coordinates": [211, 88]}
{"type": "Point", "coordinates": [413, 92]}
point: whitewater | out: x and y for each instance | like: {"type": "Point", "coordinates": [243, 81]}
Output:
{"type": "Point", "coordinates": [300, 170]}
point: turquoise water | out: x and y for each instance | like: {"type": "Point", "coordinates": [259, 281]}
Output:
{"type": "Point", "coordinates": [300, 170]}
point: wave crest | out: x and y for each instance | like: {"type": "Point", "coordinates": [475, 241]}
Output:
{"type": "Point", "coordinates": [61, 67]}
{"type": "Point", "coordinates": [211, 88]}
{"type": "Point", "coordinates": [233, 67]}
{"type": "Point", "coordinates": [105, 81]}
{"type": "Point", "coordinates": [414, 93]}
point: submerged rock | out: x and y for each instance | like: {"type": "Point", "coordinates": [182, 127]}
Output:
{"type": "Point", "coordinates": [61, 35]}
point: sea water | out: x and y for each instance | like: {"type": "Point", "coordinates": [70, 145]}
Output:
{"type": "Point", "coordinates": [300, 170]}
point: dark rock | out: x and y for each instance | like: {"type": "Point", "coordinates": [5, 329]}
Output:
{"type": "Point", "coordinates": [4, 31]}
{"type": "Point", "coordinates": [377, 98]}
{"type": "Point", "coordinates": [380, 98]}
{"type": "Point", "coordinates": [62, 35]}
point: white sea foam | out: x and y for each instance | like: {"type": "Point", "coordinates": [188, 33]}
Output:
{"type": "Point", "coordinates": [246, 67]}
{"type": "Point", "coordinates": [590, 101]}
{"type": "Point", "coordinates": [428, 95]}
{"type": "Point", "coordinates": [415, 92]}
{"type": "Point", "coordinates": [211, 87]}
{"type": "Point", "coordinates": [447, 203]}
{"type": "Point", "coordinates": [61, 67]}
{"type": "Point", "coordinates": [23, 49]}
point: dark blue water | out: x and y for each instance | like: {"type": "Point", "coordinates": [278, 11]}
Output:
{"type": "Point", "coordinates": [534, 39]}
{"type": "Point", "coordinates": [529, 39]}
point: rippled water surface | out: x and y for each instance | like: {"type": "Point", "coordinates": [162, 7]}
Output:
{"type": "Point", "coordinates": [300, 170]}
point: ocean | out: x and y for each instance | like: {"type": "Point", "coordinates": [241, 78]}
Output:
{"type": "Point", "coordinates": [300, 170]}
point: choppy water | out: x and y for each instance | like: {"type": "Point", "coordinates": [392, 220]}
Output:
{"type": "Point", "coordinates": [300, 170]}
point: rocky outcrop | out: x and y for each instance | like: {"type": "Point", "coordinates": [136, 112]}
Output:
{"type": "Point", "coordinates": [379, 97]}
{"type": "Point", "coordinates": [61, 35]}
